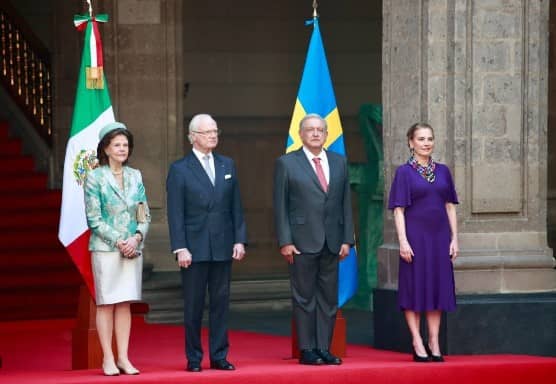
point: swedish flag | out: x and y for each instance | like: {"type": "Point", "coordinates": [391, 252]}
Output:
{"type": "Point", "coordinates": [316, 95]}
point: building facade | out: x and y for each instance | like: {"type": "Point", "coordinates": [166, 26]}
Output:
{"type": "Point", "coordinates": [481, 72]}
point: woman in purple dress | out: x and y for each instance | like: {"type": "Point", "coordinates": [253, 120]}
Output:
{"type": "Point", "coordinates": [423, 198]}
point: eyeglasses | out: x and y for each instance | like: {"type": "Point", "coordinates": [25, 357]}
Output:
{"type": "Point", "coordinates": [209, 132]}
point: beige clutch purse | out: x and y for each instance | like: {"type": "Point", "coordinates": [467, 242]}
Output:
{"type": "Point", "coordinates": [141, 212]}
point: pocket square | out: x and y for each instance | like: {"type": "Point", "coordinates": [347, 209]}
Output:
{"type": "Point", "coordinates": [228, 176]}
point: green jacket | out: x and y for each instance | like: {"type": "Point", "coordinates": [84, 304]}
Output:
{"type": "Point", "coordinates": [111, 212]}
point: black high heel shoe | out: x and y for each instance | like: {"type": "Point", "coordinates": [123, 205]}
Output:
{"type": "Point", "coordinates": [420, 359]}
{"type": "Point", "coordinates": [433, 358]}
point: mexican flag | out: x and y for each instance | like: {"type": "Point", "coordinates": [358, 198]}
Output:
{"type": "Point", "coordinates": [92, 111]}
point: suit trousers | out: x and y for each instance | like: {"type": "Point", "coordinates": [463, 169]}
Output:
{"type": "Point", "coordinates": [314, 286]}
{"type": "Point", "coordinates": [195, 280]}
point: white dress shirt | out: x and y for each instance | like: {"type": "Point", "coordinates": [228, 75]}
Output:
{"type": "Point", "coordinates": [323, 162]}
{"type": "Point", "coordinates": [200, 156]}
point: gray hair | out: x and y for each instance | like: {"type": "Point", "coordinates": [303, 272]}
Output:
{"type": "Point", "coordinates": [312, 116]}
{"type": "Point", "coordinates": [195, 123]}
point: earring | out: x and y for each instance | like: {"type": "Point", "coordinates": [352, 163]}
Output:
{"type": "Point", "coordinates": [411, 151]}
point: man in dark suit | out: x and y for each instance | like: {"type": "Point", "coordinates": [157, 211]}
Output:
{"type": "Point", "coordinates": [207, 232]}
{"type": "Point", "coordinates": [312, 213]}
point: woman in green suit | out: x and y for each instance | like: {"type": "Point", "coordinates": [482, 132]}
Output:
{"type": "Point", "coordinates": [118, 217]}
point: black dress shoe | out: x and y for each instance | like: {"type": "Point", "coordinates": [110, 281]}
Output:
{"type": "Point", "coordinates": [223, 365]}
{"type": "Point", "coordinates": [434, 358]}
{"type": "Point", "coordinates": [328, 358]}
{"type": "Point", "coordinates": [193, 367]}
{"type": "Point", "coordinates": [309, 357]}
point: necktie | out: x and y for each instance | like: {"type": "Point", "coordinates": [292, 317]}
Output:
{"type": "Point", "coordinates": [208, 169]}
{"type": "Point", "coordinates": [320, 174]}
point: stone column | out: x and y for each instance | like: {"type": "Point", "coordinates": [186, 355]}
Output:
{"type": "Point", "coordinates": [476, 71]}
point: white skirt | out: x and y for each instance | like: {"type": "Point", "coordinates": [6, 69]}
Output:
{"type": "Point", "coordinates": [117, 279]}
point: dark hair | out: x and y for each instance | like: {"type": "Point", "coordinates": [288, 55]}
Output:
{"type": "Point", "coordinates": [105, 142]}
{"type": "Point", "coordinates": [416, 126]}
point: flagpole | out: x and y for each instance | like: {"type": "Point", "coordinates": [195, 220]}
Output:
{"type": "Point", "coordinates": [90, 8]}
{"type": "Point", "coordinates": [315, 6]}
{"type": "Point", "coordinates": [86, 350]}
{"type": "Point", "coordinates": [339, 335]}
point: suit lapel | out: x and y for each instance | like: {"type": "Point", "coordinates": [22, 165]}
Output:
{"type": "Point", "coordinates": [198, 171]}
{"type": "Point", "coordinates": [218, 175]}
{"type": "Point", "coordinates": [306, 167]}
{"type": "Point", "coordinates": [107, 173]}
{"type": "Point", "coordinates": [334, 169]}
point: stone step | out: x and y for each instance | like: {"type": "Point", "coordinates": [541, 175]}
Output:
{"type": "Point", "coordinates": [162, 291]}
{"type": "Point", "coordinates": [164, 317]}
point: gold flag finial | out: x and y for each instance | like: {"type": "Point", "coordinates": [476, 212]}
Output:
{"type": "Point", "coordinates": [315, 6]}
{"type": "Point", "coordinates": [94, 77]}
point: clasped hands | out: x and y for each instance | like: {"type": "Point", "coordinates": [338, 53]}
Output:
{"type": "Point", "coordinates": [290, 250]}
{"type": "Point", "coordinates": [185, 258]}
{"type": "Point", "coordinates": [128, 247]}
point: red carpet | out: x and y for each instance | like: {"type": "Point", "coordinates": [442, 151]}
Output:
{"type": "Point", "coordinates": [37, 278]}
{"type": "Point", "coordinates": [39, 352]}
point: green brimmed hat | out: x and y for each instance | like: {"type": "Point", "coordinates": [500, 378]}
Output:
{"type": "Point", "coordinates": [110, 127]}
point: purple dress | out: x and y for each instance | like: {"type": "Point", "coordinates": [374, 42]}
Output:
{"type": "Point", "coordinates": [427, 283]}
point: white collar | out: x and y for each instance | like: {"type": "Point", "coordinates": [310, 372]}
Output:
{"type": "Point", "coordinates": [200, 154]}
{"type": "Point", "coordinates": [310, 156]}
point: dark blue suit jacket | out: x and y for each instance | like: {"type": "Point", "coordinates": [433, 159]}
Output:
{"type": "Point", "coordinates": [205, 219]}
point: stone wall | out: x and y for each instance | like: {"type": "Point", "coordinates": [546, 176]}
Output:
{"type": "Point", "coordinates": [551, 204]}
